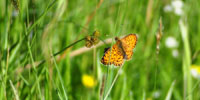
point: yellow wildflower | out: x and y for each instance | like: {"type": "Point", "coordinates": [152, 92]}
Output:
{"type": "Point", "coordinates": [88, 81]}
{"type": "Point", "coordinates": [149, 98]}
{"type": "Point", "coordinates": [195, 71]}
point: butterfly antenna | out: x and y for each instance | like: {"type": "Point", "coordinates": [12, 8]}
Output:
{"type": "Point", "coordinates": [103, 41]}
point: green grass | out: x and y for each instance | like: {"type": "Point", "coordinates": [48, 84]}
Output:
{"type": "Point", "coordinates": [37, 38]}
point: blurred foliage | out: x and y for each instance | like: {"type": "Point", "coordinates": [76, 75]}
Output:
{"type": "Point", "coordinates": [33, 30]}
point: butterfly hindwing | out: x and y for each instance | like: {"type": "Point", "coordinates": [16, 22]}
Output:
{"type": "Point", "coordinates": [114, 56]}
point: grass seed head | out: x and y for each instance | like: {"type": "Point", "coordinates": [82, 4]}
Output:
{"type": "Point", "coordinates": [88, 44]}
{"type": "Point", "coordinates": [96, 33]}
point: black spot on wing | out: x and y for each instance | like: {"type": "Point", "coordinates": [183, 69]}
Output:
{"type": "Point", "coordinates": [106, 49]}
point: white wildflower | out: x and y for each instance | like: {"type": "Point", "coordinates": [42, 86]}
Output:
{"type": "Point", "coordinates": [177, 4]}
{"type": "Point", "coordinates": [178, 7]}
{"type": "Point", "coordinates": [15, 13]}
{"type": "Point", "coordinates": [168, 8]}
{"type": "Point", "coordinates": [175, 53]}
{"type": "Point", "coordinates": [156, 94]}
{"type": "Point", "coordinates": [171, 42]}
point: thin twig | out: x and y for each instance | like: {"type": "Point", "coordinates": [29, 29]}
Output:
{"type": "Point", "coordinates": [72, 54]}
{"type": "Point", "coordinates": [89, 18]}
{"type": "Point", "coordinates": [102, 87]}
{"type": "Point", "coordinates": [85, 49]}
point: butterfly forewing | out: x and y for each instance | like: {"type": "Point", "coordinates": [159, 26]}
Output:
{"type": "Point", "coordinates": [129, 43]}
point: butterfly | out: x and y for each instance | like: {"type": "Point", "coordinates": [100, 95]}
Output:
{"type": "Point", "coordinates": [120, 51]}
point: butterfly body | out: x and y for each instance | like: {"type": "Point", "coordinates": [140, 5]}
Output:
{"type": "Point", "coordinates": [120, 51]}
{"type": "Point", "coordinates": [121, 47]}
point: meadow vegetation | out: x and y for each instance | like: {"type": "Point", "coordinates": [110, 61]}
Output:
{"type": "Point", "coordinates": [43, 53]}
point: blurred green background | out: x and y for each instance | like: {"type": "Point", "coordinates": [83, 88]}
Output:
{"type": "Point", "coordinates": [33, 30]}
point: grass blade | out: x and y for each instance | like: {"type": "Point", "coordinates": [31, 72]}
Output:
{"type": "Point", "coordinates": [14, 90]}
{"type": "Point", "coordinates": [169, 94]}
{"type": "Point", "coordinates": [60, 78]}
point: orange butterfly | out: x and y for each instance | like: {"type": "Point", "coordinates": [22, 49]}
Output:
{"type": "Point", "coordinates": [121, 50]}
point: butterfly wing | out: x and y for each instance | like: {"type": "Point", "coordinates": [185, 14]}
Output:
{"type": "Point", "coordinates": [129, 43]}
{"type": "Point", "coordinates": [114, 56]}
